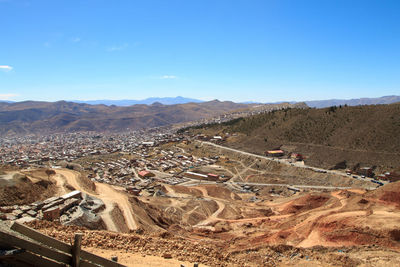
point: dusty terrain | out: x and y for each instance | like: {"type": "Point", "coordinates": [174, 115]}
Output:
{"type": "Point", "coordinates": [248, 167]}
{"type": "Point", "coordinates": [219, 224]}
{"type": "Point", "coordinates": [16, 188]}
{"type": "Point", "coordinates": [115, 200]}
{"type": "Point", "coordinates": [214, 225]}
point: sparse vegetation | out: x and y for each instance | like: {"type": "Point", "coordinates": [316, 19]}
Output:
{"type": "Point", "coordinates": [365, 134]}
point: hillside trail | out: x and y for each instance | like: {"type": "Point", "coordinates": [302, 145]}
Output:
{"type": "Point", "coordinates": [109, 195]}
{"type": "Point", "coordinates": [213, 217]}
{"type": "Point", "coordinates": [314, 237]}
{"type": "Point", "coordinates": [60, 183]}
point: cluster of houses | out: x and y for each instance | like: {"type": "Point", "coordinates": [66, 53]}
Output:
{"type": "Point", "coordinates": [146, 166]}
{"type": "Point", "coordinates": [140, 165]}
{"type": "Point", "coordinates": [254, 110]}
{"type": "Point", "coordinates": [33, 150]}
{"type": "Point", "coordinates": [145, 161]}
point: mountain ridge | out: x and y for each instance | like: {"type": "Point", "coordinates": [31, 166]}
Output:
{"type": "Point", "coordinates": [184, 100]}
{"type": "Point", "coordinates": [27, 117]}
{"type": "Point", "coordinates": [147, 101]}
{"type": "Point", "coordinates": [353, 102]}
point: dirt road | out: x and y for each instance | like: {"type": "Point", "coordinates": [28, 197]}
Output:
{"type": "Point", "coordinates": [284, 161]}
{"type": "Point", "coordinates": [108, 194]}
{"type": "Point", "coordinates": [314, 237]}
{"type": "Point", "coordinates": [214, 216]}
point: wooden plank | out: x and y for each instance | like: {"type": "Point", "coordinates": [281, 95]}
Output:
{"type": "Point", "coordinates": [14, 241]}
{"type": "Point", "coordinates": [76, 250]}
{"type": "Point", "coordinates": [36, 260]}
{"type": "Point", "coordinates": [52, 242]}
{"type": "Point", "coordinates": [87, 256]}
{"type": "Point", "coordinates": [16, 262]}
{"type": "Point", "coordinates": [10, 252]}
{"type": "Point", "coordinates": [38, 236]}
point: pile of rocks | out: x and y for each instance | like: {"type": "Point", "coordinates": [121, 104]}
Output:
{"type": "Point", "coordinates": [74, 208]}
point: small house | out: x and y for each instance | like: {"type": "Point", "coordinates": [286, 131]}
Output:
{"type": "Point", "coordinates": [274, 153]}
{"type": "Point", "coordinates": [145, 174]}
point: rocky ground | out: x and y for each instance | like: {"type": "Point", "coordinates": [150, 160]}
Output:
{"type": "Point", "coordinates": [218, 253]}
{"type": "Point", "coordinates": [74, 208]}
{"type": "Point", "coordinates": [217, 226]}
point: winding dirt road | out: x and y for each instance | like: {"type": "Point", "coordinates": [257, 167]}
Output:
{"type": "Point", "coordinates": [214, 216]}
{"type": "Point", "coordinates": [111, 197]}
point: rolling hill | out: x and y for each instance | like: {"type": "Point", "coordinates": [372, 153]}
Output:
{"type": "Point", "coordinates": [353, 102]}
{"type": "Point", "coordinates": [365, 135]}
{"type": "Point", "coordinates": [49, 117]}
{"type": "Point", "coordinates": [147, 101]}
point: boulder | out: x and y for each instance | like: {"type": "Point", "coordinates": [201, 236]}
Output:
{"type": "Point", "coordinates": [49, 200]}
{"type": "Point", "coordinates": [64, 218]}
{"type": "Point", "coordinates": [69, 203]}
{"type": "Point", "coordinates": [6, 209]}
{"type": "Point", "coordinates": [32, 213]}
{"type": "Point", "coordinates": [17, 213]}
{"type": "Point", "coordinates": [25, 219]}
{"type": "Point", "coordinates": [51, 214]}
{"type": "Point", "coordinates": [93, 204]}
{"type": "Point", "coordinates": [85, 218]}
{"type": "Point", "coordinates": [8, 217]}
{"type": "Point", "coordinates": [37, 205]}
{"type": "Point", "coordinates": [53, 204]}
{"type": "Point", "coordinates": [73, 194]}
{"type": "Point", "coordinates": [25, 208]}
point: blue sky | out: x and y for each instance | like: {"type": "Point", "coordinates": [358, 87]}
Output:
{"type": "Point", "coordinates": [228, 50]}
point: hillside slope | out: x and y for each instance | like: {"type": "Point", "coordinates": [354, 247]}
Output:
{"type": "Point", "coordinates": [49, 117]}
{"type": "Point", "coordinates": [353, 102]}
{"type": "Point", "coordinates": [368, 135]}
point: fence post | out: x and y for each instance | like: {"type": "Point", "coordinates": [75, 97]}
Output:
{"type": "Point", "coordinates": [76, 250]}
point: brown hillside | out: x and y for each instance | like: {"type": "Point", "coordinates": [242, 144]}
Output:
{"type": "Point", "coordinates": [363, 134]}
{"type": "Point", "coordinates": [50, 117]}
{"type": "Point", "coordinates": [389, 194]}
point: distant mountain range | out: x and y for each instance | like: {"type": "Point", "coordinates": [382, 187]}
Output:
{"type": "Point", "coordinates": [353, 102]}
{"type": "Point", "coordinates": [183, 100]}
{"type": "Point", "coordinates": [27, 117]}
{"type": "Point", "coordinates": [147, 101]}
{"type": "Point", "coordinates": [19, 118]}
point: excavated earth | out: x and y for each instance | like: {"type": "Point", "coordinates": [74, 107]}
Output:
{"type": "Point", "coordinates": [215, 226]}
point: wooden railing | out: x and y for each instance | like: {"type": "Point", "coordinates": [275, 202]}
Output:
{"type": "Point", "coordinates": [32, 248]}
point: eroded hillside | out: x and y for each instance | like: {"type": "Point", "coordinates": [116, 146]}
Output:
{"type": "Point", "coordinates": [366, 135]}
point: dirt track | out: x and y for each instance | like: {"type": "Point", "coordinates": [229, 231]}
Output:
{"type": "Point", "coordinates": [107, 193]}
{"type": "Point", "coordinates": [314, 237]}
{"type": "Point", "coordinates": [214, 216]}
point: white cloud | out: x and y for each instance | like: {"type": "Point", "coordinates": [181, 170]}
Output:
{"type": "Point", "coordinates": [5, 68]}
{"type": "Point", "coordinates": [7, 96]}
{"type": "Point", "coordinates": [117, 47]}
{"type": "Point", "coordinates": [168, 77]}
